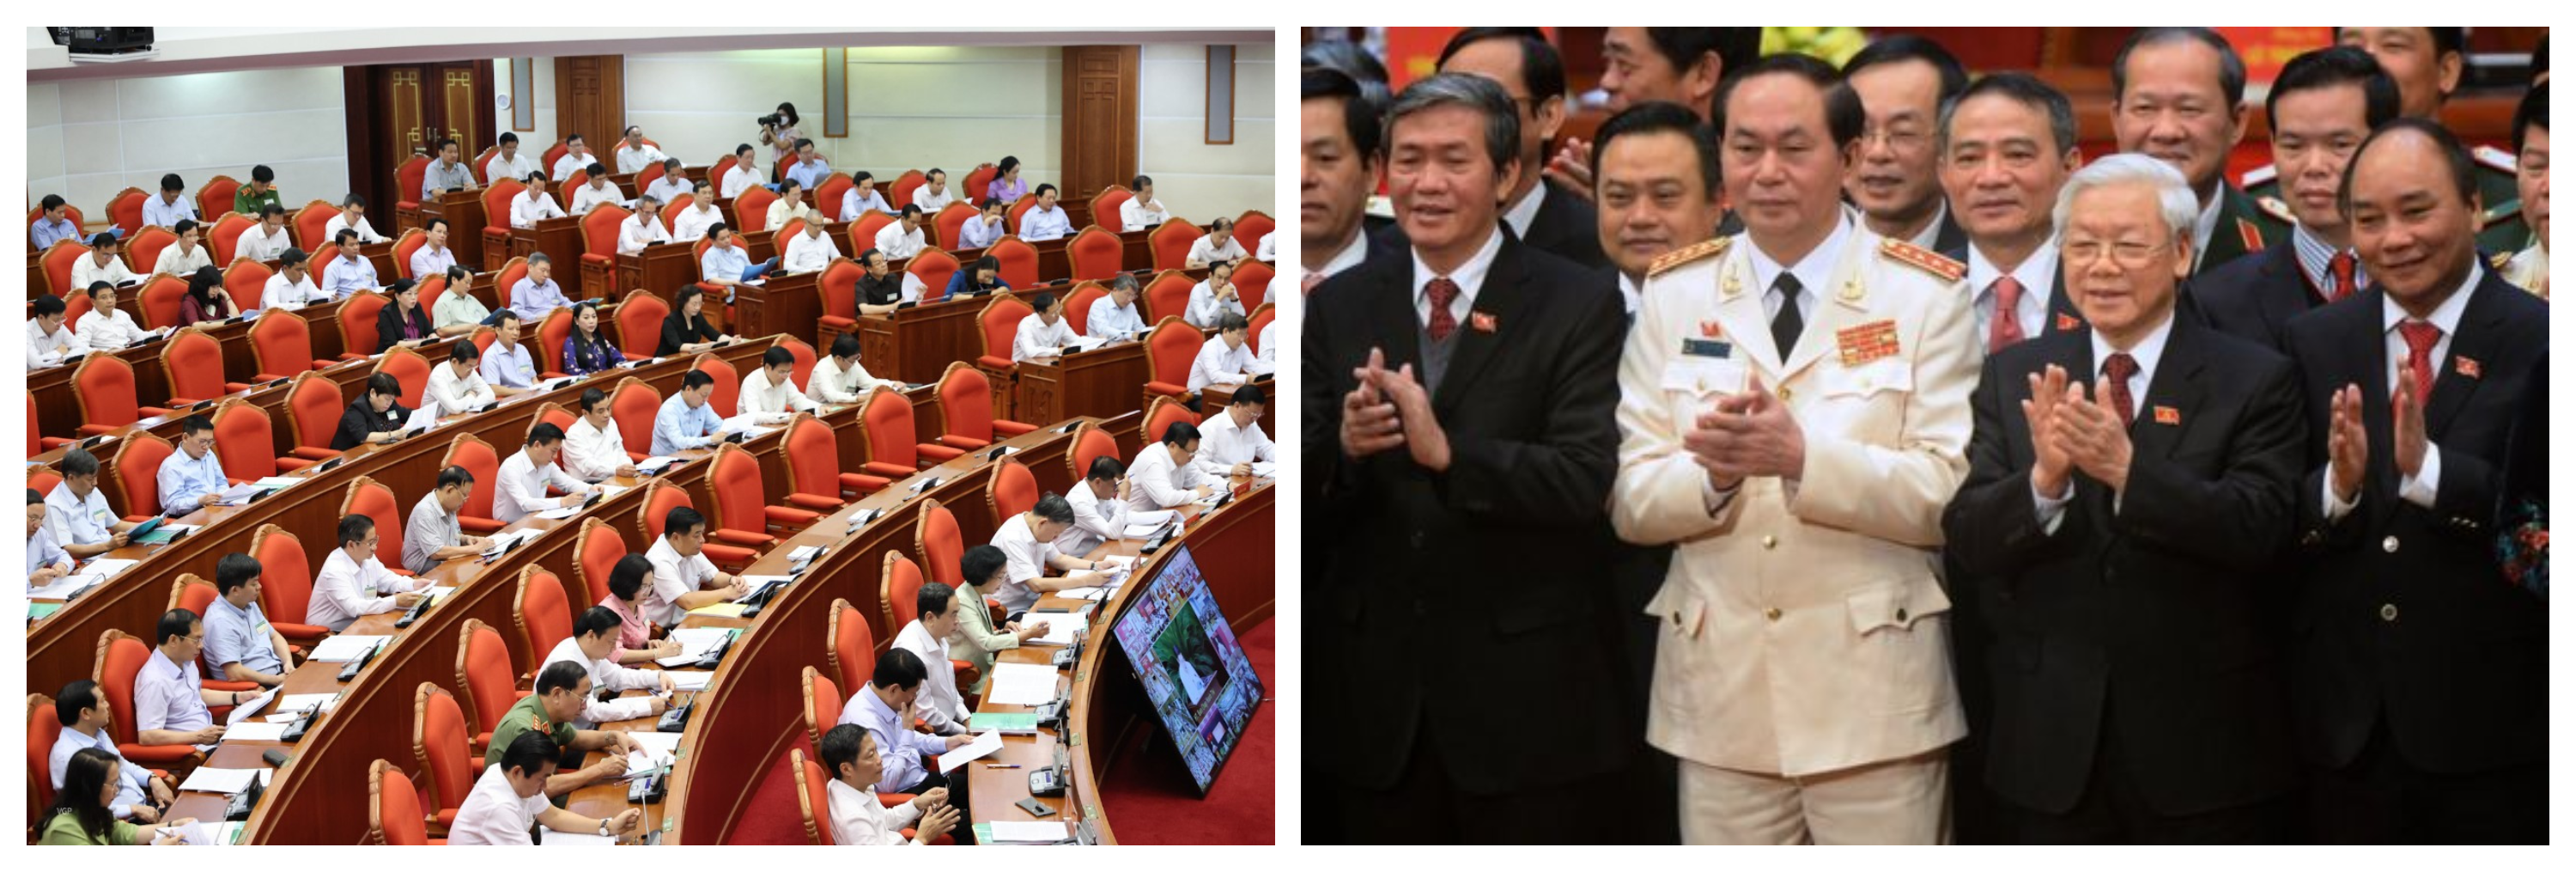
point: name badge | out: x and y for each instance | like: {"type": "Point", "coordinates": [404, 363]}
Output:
{"type": "Point", "coordinates": [1707, 348]}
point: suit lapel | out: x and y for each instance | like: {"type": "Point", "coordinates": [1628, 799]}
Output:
{"type": "Point", "coordinates": [2176, 387]}
{"type": "Point", "coordinates": [1739, 309]}
{"type": "Point", "coordinates": [2063, 317]}
{"type": "Point", "coordinates": [2451, 387]}
{"type": "Point", "coordinates": [1495, 305]}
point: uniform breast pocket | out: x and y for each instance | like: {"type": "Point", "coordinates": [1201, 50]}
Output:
{"type": "Point", "coordinates": [1867, 401]}
{"type": "Point", "coordinates": [1900, 643]}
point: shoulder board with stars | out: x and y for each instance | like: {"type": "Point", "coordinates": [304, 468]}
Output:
{"type": "Point", "coordinates": [1688, 253]}
{"type": "Point", "coordinates": [2277, 209]}
{"type": "Point", "coordinates": [1923, 259]}
{"type": "Point", "coordinates": [2493, 157]}
{"type": "Point", "coordinates": [2498, 260]}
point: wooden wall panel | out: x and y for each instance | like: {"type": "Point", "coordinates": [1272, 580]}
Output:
{"type": "Point", "coordinates": [1099, 124]}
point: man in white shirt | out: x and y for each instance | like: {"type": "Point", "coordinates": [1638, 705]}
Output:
{"type": "Point", "coordinates": [740, 177]}
{"type": "Point", "coordinates": [770, 391]}
{"type": "Point", "coordinates": [862, 197]}
{"type": "Point", "coordinates": [1045, 220]}
{"type": "Point", "coordinates": [172, 207]}
{"type": "Point", "coordinates": [433, 535]}
{"type": "Point", "coordinates": [48, 342]}
{"type": "Point", "coordinates": [576, 157]}
{"type": "Point", "coordinates": [268, 239]}
{"type": "Point", "coordinates": [595, 191]}
{"type": "Point", "coordinates": [1042, 333]}
{"type": "Point", "coordinates": [509, 801]}
{"type": "Point", "coordinates": [100, 265]}
{"type": "Point", "coordinates": [1100, 513]}
{"type": "Point", "coordinates": [1217, 245]}
{"type": "Point", "coordinates": [184, 257]}
{"type": "Point", "coordinates": [292, 286]}
{"type": "Point", "coordinates": [933, 195]}
{"type": "Point", "coordinates": [593, 449]}
{"type": "Point", "coordinates": [939, 705]}
{"type": "Point", "coordinates": [508, 163]}
{"type": "Point", "coordinates": [635, 154]}
{"type": "Point", "coordinates": [351, 272]}
{"type": "Point", "coordinates": [525, 475]}
{"type": "Point", "coordinates": [791, 206]}
{"type": "Point", "coordinates": [457, 388]}
{"type": "Point", "coordinates": [534, 204]}
{"type": "Point", "coordinates": [1142, 211]}
{"type": "Point", "coordinates": [592, 646]}
{"type": "Point", "coordinates": [683, 577]}
{"type": "Point", "coordinates": [1113, 318]}
{"type": "Point", "coordinates": [1223, 359]}
{"type": "Point", "coordinates": [902, 238]}
{"type": "Point", "coordinates": [1267, 361]}
{"type": "Point", "coordinates": [1266, 253]}
{"type": "Point", "coordinates": [1028, 539]}
{"type": "Point", "coordinates": [985, 228]}
{"type": "Point", "coordinates": [353, 216]}
{"type": "Point", "coordinates": [353, 584]}
{"type": "Point", "coordinates": [849, 753]}
{"type": "Point", "coordinates": [106, 328]}
{"type": "Point", "coordinates": [642, 228]}
{"type": "Point", "coordinates": [76, 511]}
{"type": "Point", "coordinates": [1230, 442]}
{"type": "Point", "coordinates": [838, 377]}
{"type": "Point", "coordinates": [810, 250]}
{"type": "Point", "coordinates": [693, 222]}
{"type": "Point", "coordinates": [1162, 476]}
{"type": "Point", "coordinates": [673, 182]}
{"type": "Point", "coordinates": [1215, 297]}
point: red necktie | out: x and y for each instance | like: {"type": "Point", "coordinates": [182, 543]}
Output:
{"type": "Point", "coordinates": [2341, 267]}
{"type": "Point", "coordinates": [2115, 381]}
{"type": "Point", "coordinates": [1442, 292]}
{"type": "Point", "coordinates": [2419, 337]}
{"type": "Point", "coordinates": [2006, 327]}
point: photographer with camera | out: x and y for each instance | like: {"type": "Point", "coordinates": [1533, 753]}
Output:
{"type": "Point", "coordinates": [778, 131]}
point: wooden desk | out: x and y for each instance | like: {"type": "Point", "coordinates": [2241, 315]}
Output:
{"type": "Point", "coordinates": [1099, 383]}
{"type": "Point", "coordinates": [58, 412]}
{"type": "Point", "coordinates": [918, 343]}
{"type": "Point", "coordinates": [791, 304]}
{"type": "Point", "coordinates": [1213, 400]}
{"type": "Point", "coordinates": [663, 269]}
{"type": "Point", "coordinates": [558, 238]}
{"type": "Point", "coordinates": [464, 213]}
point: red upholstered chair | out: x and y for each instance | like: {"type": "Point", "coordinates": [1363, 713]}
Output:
{"type": "Point", "coordinates": [405, 245]}
{"type": "Point", "coordinates": [285, 584]}
{"type": "Point", "coordinates": [1261, 318]}
{"type": "Point", "coordinates": [1077, 305]}
{"type": "Point", "coordinates": [43, 479]}
{"type": "Point", "coordinates": [194, 364]}
{"type": "Point", "coordinates": [43, 727]}
{"type": "Point", "coordinates": [393, 808]}
{"type": "Point", "coordinates": [813, 786]}
{"type": "Point", "coordinates": [479, 458]}
{"type": "Point", "coordinates": [632, 405]}
{"type": "Point", "coordinates": [839, 285]}
{"type": "Point", "coordinates": [1019, 209]}
{"type": "Point", "coordinates": [508, 278]}
{"type": "Point", "coordinates": [74, 308]}
{"type": "Point", "coordinates": [803, 368]}
{"type": "Point", "coordinates": [977, 180]}
{"type": "Point", "coordinates": [483, 337]}
{"type": "Point", "coordinates": [789, 230]}
{"type": "Point", "coordinates": [826, 197]}
{"type": "Point", "coordinates": [1019, 262]}
{"type": "Point", "coordinates": [661, 496]}
{"type": "Point", "coordinates": [58, 262]}
{"type": "Point", "coordinates": [408, 177]}
{"type": "Point", "coordinates": [822, 707]}
{"type": "Point", "coordinates": [751, 209]}
{"type": "Point", "coordinates": [544, 619]}
{"type": "Point", "coordinates": [966, 411]}
{"type": "Point", "coordinates": [950, 222]}
{"type": "Point", "coordinates": [281, 343]}
{"type": "Point", "coordinates": [550, 340]}
{"type": "Point", "coordinates": [1096, 253]}
{"type": "Point", "coordinates": [410, 369]}
{"type": "Point", "coordinates": [314, 401]}
{"type": "Point", "coordinates": [644, 178]}
{"type": "Point", "coordinates": [851, 651]}
{"type": "Point", "coordinates": [136, 469]}
{"type": "Point", "coordinates": [595, 556]}
{"type": "Point", "coordinates": [1160, 416]}
{"type": "Point", "coordinates": [443, 747]}
{"type": "Point", "coordinates": [496, 218]}
{"type": "Point", "coordinates": [103, 387]}
{"type": "Point", "coordinates": [358, 324]}
{"type": "Point", "coordinates": [247, 280]}
{"type": "Point", "coordinates": [372, 498]}
{"type": "Point", "coordinates": [886, 425]}
{"type": "Point", "coordinates": [813, 458]}
{"type": "Point", "coordinates": [1167, 296]}
{"type": "Point", "coordinates": [125, 210]}
{"type": "Point", "coordinates": [120, 656]}
{"type": "Point", "coordinates": [1249, 229]}
{"type": "Point", "coordinates": [550, 413]}
{"type": "Point", "coordinates": [639, 324]}
{"type": "Point", "coordinates": [934, 268]}
{"type": "Point", "coordinates": [1169, 349]}
{"type": "Point", "coordinates": [37, 441]}
{"type": "Point", "coordinates": [940, 544]}
{"type": "Point", "coordinates": [491, 683]}
{"type": "Point", "coordinates": [728, 386]}
{"type": "Point", "coordinates": [225, 237]}
{"type": "Point", "coordinates": [143, 248]}
{"type": "Point", "coordinates": [698, 256]}
{"type": "Point", "coordinates": [899, 590]}
{"type": "Point", "coordinates": [742, 505]}
{"type": "Point", "coordinates": [1011, 490]}
{"type": "Point", "coordinates": [554, 153]}
{"type": "Point", "coordinates": [1089, 443]}
{"type": "Point", "coordinates": [160, 298]}
{"type": "Point", "coordinates": [863, 230]}
{"type": "Point", "coordinates": [1252, 281]}
{"type": "Point", "coordinates": [998, 325]}
{"type": "Point", "coordinates": [900, 190]}
{"type": "Point", "coordinates": [671, 210]}
{"type": "Point", "coordinates": [599, 256]}
{"type": "Point", "coordinates": [480, 166]}
{"type": "Point", "coordinates": [1104, 207]}
{"type": "Point", "coordinates": [246, 444]}
{"type": "Point", "coordinates": [1171, 243]}
{"type": "Point", "coordinates": [310, 221]}
{"type": "Point", "coordinates": [216, 197]}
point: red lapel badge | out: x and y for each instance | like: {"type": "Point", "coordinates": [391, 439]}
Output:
{"type": "Point", "coordinates": [2467, 366]}
{"type": "Point", "coordinates": [2066, 321]}
{"type": "Point", "coordinates": [1710, 330]}
{"type": "Point", "coordinates": [1482, 321]}
{"type": "Point", "coordinates": [2168, 415]}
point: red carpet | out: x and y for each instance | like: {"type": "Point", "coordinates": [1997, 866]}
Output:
{"type": "Point", "coordinates": [1149, 797]}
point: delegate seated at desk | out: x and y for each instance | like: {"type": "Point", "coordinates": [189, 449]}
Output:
{"type": "Point", "coordinates": [577, 156]}
{"type": "Point", "coordinates": [628, 585]}
{"type": "Point", "coordinates": [106, 327]}
{"type": "Point", "coordinates": [880, 290]}
{"type": "Point", "coordinates": [644, 228]}
{"type": "Point", "coordinates": [47, 340]}
{"type": "Point", "coordinates": [81, 707]}
{"type": "Point", "coordinates": [984, 276]}
{"type": "Point", "coordinates": [376, 417]}
{"type": "Point", "coordinates": [77, 511]}
{"type": "Point", "coordinates": [266, 239]}
{"type": "Point", "coordinates": [171, 707]}
{"type": "Point", "coordinates": [509, 802]}
{"type": "Point", "coordinates": [1222, 359]}
{"type": "Point", "coordinates": [1163, 477]}
{"type": "Point", "coordinates": [1028, 540]}
{"type": "Point", "coordinates": [433, 534]}
{"type": "Point", "coordinates": [534, 204]}
{"type": "Point", "coordinates": [683, 577]}
{"type": "Point", "coordinates": [455, 388]}
{"type": "Point", "coordinates": [985, 228]}
{"type": "Point", "coordinates": [672, 184]}
{"type": "Point", "coordinates": [693, 222]}
{"type": "Point", "coordinates": [101, 264]}
{"type": "Point", "coordinates": [979, 634]}
{"type": "Point", "coordinates": [1046, 220]}
{"type": "Point", "coordinates": [849, 752]}
{"type": "Point", "coordinates": [81, 815]}
{"type": "Point", "coordinates": [526, 475]}
{"type": "Point", "coordinates": [240, 643]}
{"type": "Point", "coordinates": [634, 154]}
{"type": "Point", "coordinates": [561, 690]}
{"type": "Point", "coordinates": [292, 286]}
{"type": "Point", "coordinates": [592, 646]}
{"type": "Point", "coordinates": [537, 294]}
{"type": "Point", "coordinates": [585, 349]}
{"type": "Point", "coordinates": [594, 450]}
{"type": "Point", "coordinates": [351, 272]}
{"type": "Point", "coordinates": [685, 421]}
{"type": "Point", "coordinates": [933, 195]}
{"type": "Point", "coordinates": [594, 192]}
{"type": "Point", "coordinates": [1231, 441]}
{"type": "Point", "coordinates": [791, 206]}
{"type": "Point", "coordinates": [742, 176]}
{"type": "Point", "coordinates": [1113, 318]}
{"type": "Point", "coordinates": [1100, 510]}
{"type": "Point", "coordinates": [509, 163]}
{"type": "Point", "coordinates": [902, 237]}
{"type": "Point", "coordinates": [939, 705]}
{"type": "Point", "coordinates": [770, 391]}
{"type": "Point", "coordinates": [509, 366]}
{"type": "Point", "coordinates": [191, 478]}
{"type": "Point", "coordinates": [1142, 211]}
{"type": "Point", "coordinates": [447, 173]}
{"type": "Point", "coordinates": [185, 256]}
{"type": "Point", "coordinates": [1218, 246]}
{"type": "Point", "coordinates": [809, 250]}
{"type": "Point", "coordinates": [862, 197]}
{"type": "Point", "coordinates": [838, 378]}
{"type": "Point", "coordinates": [1042, 333]}
{"type": "Point", "coordinates": [434, 257]}
{"type": "Point", "coordinates": [353, 216]}
{"type": "Point", "coordinates": [1214, 298]}
{"type": "Point", "coordinates": [884, 708]}
{"type": "Point", "coordinates": [458, 312]}
{"type": "Point", "coordinates": [172, 206]}
{"type": "Point", "coordinates": [353, 583]}
{"type": "Point", "coordinates": [46, 560]}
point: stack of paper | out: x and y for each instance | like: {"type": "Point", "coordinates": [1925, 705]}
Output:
{"type": "Point", "coordinates": [207, 779]}
{"type": "Point", "coordinates": [1029, 832]}
{"type": "Point", "coordinates": [986, 743]}
{"type": "Point", "coordinates": [653, 465]}
{"type": "Point", "coordinates": [1022, 684]}
{"type": "Point", "coordinates": [1265, 468]}
{"type": "Point", "coordinates": [695, 642]}
{"type": "Point", "coordinates": [256, 731]}
{"type": "Point", "coordinates": [1087, 343]}
{"type": "Point", "coordinates": [753, 584]}
{"type": "Point", "coordinates": [665, 744]}
{"type": "Point", "coordinates": [501, 541]}
{"type": "Point", "coordinates": [245, 710]}
{"type": "Point", "coordinates": [65, 587]}
{"type": "Point", "coordinates": [1060, 629]}
{"type": "Point", "coordinates": [302, 702]}
{"type": "Point", "coordinates": [240, 494]}
{"type": "Point", "coordinates": [1007, 722]}
{"type": "Point", "coordinates": [560, 512]}
{"type": "Point", "coordinates": [341, 649]}
{"type": "Point", "coordinates": [693, 680]}
{"type": "Point", "coordinates": [279, 481]}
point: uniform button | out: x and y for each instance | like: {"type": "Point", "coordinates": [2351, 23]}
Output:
{"type": "Point", "coordinates": [1900, 616]}
{"type": "Point", "coordinates": [1770, 541]}
{"type": "Point", "coordinates": [1771, 613]}
{"type": "Point", "coordinates": [1784, 395]}
{"type": "Point", "coordinates": [2389, 544]}
{"type": "Point", "coordinates": [2388, 612]}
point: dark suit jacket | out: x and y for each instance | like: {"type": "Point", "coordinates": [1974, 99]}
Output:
{"type": "Point", "coordinates": [2254, 298]}
{"type": "Point", "coordinates": [2151, 607]}
{"type": "Point", "coordinates": [1462, 602]}
{"type": "Point", "coordinates": [2404, 614]}
{"type": "Point", "coordinates": [389, 326]}
{"type": "Point", "coordinates": [2238, 216]}
{"type": "Point", "coordinates": [359, 422]}
{"type": "Point", "coordinates": [1567, 226]}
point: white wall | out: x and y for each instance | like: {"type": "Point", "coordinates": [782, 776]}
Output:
{"type": "Point", "coordinates": [1196, 180]}
{"type": "Point", "coordinates": [531, 142]}
{"type": "Point", "coordinates": [88, 139]}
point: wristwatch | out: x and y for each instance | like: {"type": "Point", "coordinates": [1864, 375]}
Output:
{"type": "Point", "coordinates": [603, 826]}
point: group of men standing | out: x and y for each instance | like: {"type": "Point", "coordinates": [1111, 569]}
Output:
{"type": "Point", "coordinates": [1940, 480]}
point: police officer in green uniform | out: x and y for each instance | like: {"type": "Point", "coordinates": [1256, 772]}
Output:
{"type": "Point", "coordinates": [551, 710]}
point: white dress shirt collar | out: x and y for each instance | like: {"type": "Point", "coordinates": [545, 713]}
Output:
{"type": "Point", "coordinates": [2147, 352]}
{"type": "Point", "coordinates": [1815, 271]}
{"type": "Point", "coordinates": [1470, 278]}
{"type": "Point", "coordinates": [2445, 316]}
{"type": "Point", "coordinates": [1521, 214]}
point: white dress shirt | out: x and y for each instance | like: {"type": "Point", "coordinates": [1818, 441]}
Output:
{"type": "Point", "coordinates": [1026, 560]}
{"type": "Point", "coordinates": [740, 178]}
{"type": "Point", "coordinates": [1265, 252]}
{"type": "Point", "coordinates": [110, 329]}
{"type": "Point", "coordinates": [693, 221]}
{"type": "Point", "coordinates": [939, 703]}
{"type": "Point", "coordinates": [523, 488]}
{"type": "Point", "coordinates": [366, 232]}
{"type": "Point", "coordinates": [160, 213]}
{"type": "Point", "coordinates": [178, 262]}
{"type": "Point", "coordinates": [87, 269]}
{"type": "Point", "coordinates": [1222, 445]}
{"type": "Point", "coordinates": [673, 577]}
{"type": "Point", "coordinates": [2425, 486]}
{"type": "Point", "coordinates": [634, 158]}
{"type": "Point", "coordinates": [1267, 361]}
{"type": "Point", "coordinates": [1096, 520]}
{"type": "Point", "coordinates": [1036, 338]}
{"type": "Point", "coordinates": [532, 206]}
{"type": "Point", "coordinates": [774, 403]}
{"type": "Point", "coordinates": [79, 520]}
{"type": "Point", "coordinates": [831, 384]}
{"type": "Point", "coordinates": [258, 244]}
{"type": "Point", "coordinates": [932, 201]}
{"type": "Point", "coordinates": [1155, 482]}
{"type": "Point", "coordinates": [670, 187]}
{"type": "Point", "coordinates": [283, 294]}
{"type": "Point", "coordinates": [1470, 278]}
{"type": "Point", "coordinates": [782, 212]}
{"type": "Point", "coordinates": [855, 204]}
{"type": "Point", "coordinates": [1040, 224]}
{"type": "Point", "coordinates": [346, 590]}
{"type": "Point", "coordinates": [591, 454]}
{"type": "Point", "coordinates": [808, 252]}
{"type": "Point", "coordinates": [1136, 214]}
{"type": "Point", "coordinates": [1204, 308]}
{"type": "Point", "coordinates": [638, 231]}
{"type": "Point", "coordinates": [859, 818]}
{"type": "Point", "coordinates": [605, 676]}
{"type": "Point", "coordinates": [513, 166]}
{"type": "Point", "coordinates": [570, 163]}
{"type": "Point", "coordinates": [1217, 364]}
{"type": "Point", "coordinates": [897, 241]}
{"type": "Point", "coordinates": [1204, 251]}
{"type": "Point", "coordinates": [1113, 322]}
{"type": "Point", "coordinates": [495, 814]}
{"type": "Point", "coordinates": [589, 196]}
{"type": "Point", "coordinates": [457, 394]}
{"type": "Point", "coordinates": [48, 349]}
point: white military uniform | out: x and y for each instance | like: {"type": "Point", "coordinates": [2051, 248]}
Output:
{"type": "Point", "coordinates": [1803, 660]}
{"type": "Point", "coordinates": [2529, 270]}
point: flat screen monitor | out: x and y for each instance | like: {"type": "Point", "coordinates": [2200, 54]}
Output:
{"type": "Point", "coordinates": [1194, 672]}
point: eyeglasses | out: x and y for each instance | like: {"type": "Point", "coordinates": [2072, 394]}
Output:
{"type": "Point", "coordinates": [2129, 255]}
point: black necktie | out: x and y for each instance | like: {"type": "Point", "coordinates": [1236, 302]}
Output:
{"type": "Point", "coordinates": [1786, 325]}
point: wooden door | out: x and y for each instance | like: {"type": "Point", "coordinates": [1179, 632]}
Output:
{"type": "Point", "coordinates": [1099, 126]}
{"type": "Point", "coordinates": [399, 110]}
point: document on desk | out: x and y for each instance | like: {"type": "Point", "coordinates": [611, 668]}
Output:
{"type": "Point", "coordinates": [342, 649]}
{"type": "Point", "coordinates": [1087, 343]}
{"type": "Point", "coordinates": [985, 743]}
{"type": "Point", "coordinates": [244, 711]}
{"type": "Point", "coordinates": [274, 482]}
{"type": "Point", "coordinates": [500, 542]}
{"type": "Point", "coordinates": [302, 702]}
{"type": "Point", "coordinates": [423, 418]}
{"type": "Point", "coordinates": [106, 567]}
{"type": "Point", "coordinates": [65, 587]}
{"type": "Point", "coordinates": [207, 779]}
{"type": "Point", "coordinates": [1265, 469]}
{"type": "Point", "coordinates": [1023, 684]}
{"type": "Point", "coordinates": [559, 513]}
{"type": "Point", "coordinates": [207, 832]}
{"type": "Point", "coordinates": [753, 584]}
{"type": "Point", "coordinates": [651, 465]}
{"type": "Point", "coordinates": [260, 731]}
{"type": "Point", "coordinates": [689, 681]}
{"type": "Point", "coordinates": [1060, 629]}
{"type": "Point", "coordinates": [1029, 832]}
{"type": "Point", "coordinates": [554, 838]}
{"type": "Point", "coordinates": [665, 744]}
{"type": "Point", "coordinates": [695, 642]}
{"type": "Point", "coordinates": [1142, 525]}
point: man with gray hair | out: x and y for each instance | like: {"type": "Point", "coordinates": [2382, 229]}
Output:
{"type": "Point", "coordinates": [644, 227]}
{"type": "Point", "coordinates": [1460, 448]}
{"type": "Point", "coordinates": [2007, 145]}
{"type": "Point", "coordinates": [1113, 318]}
{"type": "Point", "coordinates": [537, 294]}
{"type": "Point", "coordinates": [2110, 464]}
